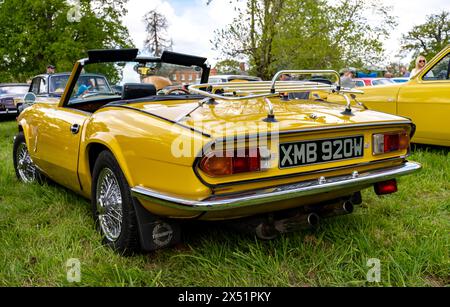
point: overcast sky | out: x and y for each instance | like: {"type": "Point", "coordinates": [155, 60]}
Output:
{"type": "Point", "coordinates": [192, 22]}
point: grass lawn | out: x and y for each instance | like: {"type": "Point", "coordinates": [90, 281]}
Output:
{"type": "Point", "coordinates": [41, 227]}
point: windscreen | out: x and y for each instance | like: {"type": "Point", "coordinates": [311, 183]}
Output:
{"type": "Point", "coordinates": [102, 80]}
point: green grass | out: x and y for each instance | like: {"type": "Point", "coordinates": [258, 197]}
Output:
{"type": "Point", "coordinates": [41, 227]}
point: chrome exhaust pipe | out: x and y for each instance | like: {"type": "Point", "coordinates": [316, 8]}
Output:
{"type": "Point", "coordinates": [313, 220]}
{"type": "Point", "coordinates": [269, 230]}
{"type": "Point", "coordinates": [347, 207]}
{"type": "Point", "coordinates": [339, 209]}
{"type": "Point", "coordinates": [266, 231]}
{"type": "Point", "coordinates": [298, 222]}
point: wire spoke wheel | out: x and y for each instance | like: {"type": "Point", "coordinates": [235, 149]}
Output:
{"type": "Point", "coordinates": [26, 169]}
{"type": "Point", "coordinates": [109, 204]}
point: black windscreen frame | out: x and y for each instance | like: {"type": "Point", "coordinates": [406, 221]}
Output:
{"type": "Point", "coordinates": [112, 55]}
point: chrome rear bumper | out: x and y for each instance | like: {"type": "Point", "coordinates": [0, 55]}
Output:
{"type": "Point", "coordinates": [8, 111]}
{"type": "Point", "coordinates": [283, 192]}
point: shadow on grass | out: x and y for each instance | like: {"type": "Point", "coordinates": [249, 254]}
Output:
{"type": "Point", "coordinates": [430, 148]}
{"type": "Point", "coordinates": [7, 117]}
{"type": "Point", "coordinates": [199, 235]}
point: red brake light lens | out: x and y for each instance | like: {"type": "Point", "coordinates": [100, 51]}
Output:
{"type": "Point", "coordinates": [386, 187]}
{"type": "Point", "coordinates": [390, 142]}
{"type": "Point", "coordinates": [229, 163]}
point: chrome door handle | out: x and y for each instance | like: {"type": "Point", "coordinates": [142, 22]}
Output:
{"type": "Point", "coordinates": [75, 128]}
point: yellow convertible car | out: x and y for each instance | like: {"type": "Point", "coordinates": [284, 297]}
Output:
{"type": "Point", "coordinates": [225, 151]}
{"type": "Point", "coordinates": [425, 99]}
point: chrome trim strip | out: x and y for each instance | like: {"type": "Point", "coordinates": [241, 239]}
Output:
{"type": "Point", "coordinates": [9, 112]}
{"type": "Point", "coordinates": [279, 193]}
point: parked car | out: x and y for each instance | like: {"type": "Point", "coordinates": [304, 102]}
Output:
{"type": "Point", "coordinates": [425, 99]}
{"type": "Point", "coordinates": [117, 88]}
{"type": "Point", "coordinates": [50, 87]}
{"type": "Point", "coordinates": [361, 82]}
{"type": "Point", "coordinates": [9, 93]}
{"type": "Point", "coordinates": [148, 162]}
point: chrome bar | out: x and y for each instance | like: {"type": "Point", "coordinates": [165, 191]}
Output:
{"type": "Point", "coordinates": [348, 107]}
{"type": "Point", "coordinates": [265, 84]}
{"type": "Point", "coordinates": [279, 193]}
{"type": "Point", "coordinates": [270, 107]}
{"type": "Point", "coordinates": [285, 90]}
{"type": "Point", "coordinates": [260, 89]}
{"type": "Point", "coordinates": [195, 90]}
{"type": "Point", "coordinates": [281, 88]}
{"type": "Point", "coordinates": [305, 72]}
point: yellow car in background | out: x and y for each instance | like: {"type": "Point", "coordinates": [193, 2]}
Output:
{"type": "Point", "coordinates": [148, 160]}
{"type": "Point", "coordinates": [425, 99]}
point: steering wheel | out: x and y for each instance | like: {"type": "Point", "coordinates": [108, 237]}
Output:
{"type": "Point", "coordinates": [181, 91]}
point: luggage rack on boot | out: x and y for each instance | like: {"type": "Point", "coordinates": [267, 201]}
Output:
{"type": "Point", "coordinates": [236, 91]}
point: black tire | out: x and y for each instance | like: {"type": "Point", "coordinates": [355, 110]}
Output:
{"type": "Point", "coordinates": [34, 175]}
{"type": "Point", "coordinates": [128, 240]}
{"type": "Point", "coordinates": [19, 109]}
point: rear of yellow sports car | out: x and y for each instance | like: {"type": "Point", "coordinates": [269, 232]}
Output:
{"type": "Point", "coordinates": [227, 160]}
{"type": "Point", "coordinates": [260, 152]}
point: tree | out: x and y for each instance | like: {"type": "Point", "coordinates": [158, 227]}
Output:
{"type": "Point", "coordinates": [251, 35]}
{"type": "Point", "coordinates": [306, 34]}
{"type": "Point", "coordinates": [428, 38]}
{"type": "Point", "coordinates": [228, 66]}
{"type": "Point", "coordinates": [37, 33]}
{"type": "Point", "coordinates": [356, 35]}
{"type": "Point", "coordinates": [157, 39]}
{"type": "Point", "coordinates": [304, 40]}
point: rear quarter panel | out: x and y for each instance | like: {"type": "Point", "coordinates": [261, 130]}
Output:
{"type": "Point", "coordinates": [142, 145]}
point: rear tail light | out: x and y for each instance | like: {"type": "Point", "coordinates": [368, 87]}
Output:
{"type": "Point", "coordinates": [216, 164]}
{"type": "Point", "coordinates": [386, 187]}
{"type": "Point", "coordinates": [389, 142]}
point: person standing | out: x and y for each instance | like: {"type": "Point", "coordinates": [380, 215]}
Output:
{"type": "Point", "coordinates": [420, 64]}
{"type": "Point", "coordinates": [347, 79]}
{"type": "Point", "coordinates": [51, 69]}
{"type": "Point", "coordinates": [404, 72]}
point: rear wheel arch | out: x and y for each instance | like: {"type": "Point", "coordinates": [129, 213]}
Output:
{"type": "Point", "coordinates": [95, 148]}
{"type": "Point", "coordinates": [94, 151]}
{"type": "Point", "coordinates": [24, 128]}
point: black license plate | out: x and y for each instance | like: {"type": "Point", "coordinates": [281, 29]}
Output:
{"type": "Point", "coordinates": [320, 151]}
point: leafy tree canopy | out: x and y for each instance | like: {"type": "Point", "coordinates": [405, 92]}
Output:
{"type": "Point", "coordinates": [306, 34]}
{"type": "Point", "coordinates": [228, 66]}
{"type": "Point", "coordinates": [38, 33]}
{"type": "Point", "coordinates": [428, 38]}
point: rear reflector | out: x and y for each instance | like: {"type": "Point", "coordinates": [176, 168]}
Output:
{"type": "Point", "coordinates": [386, 187]}
{"type": "Point", "coordinates": [390, 142]}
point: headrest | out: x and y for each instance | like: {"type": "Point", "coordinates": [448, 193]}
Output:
{"type": "Point", "coordinates": [137, 90]}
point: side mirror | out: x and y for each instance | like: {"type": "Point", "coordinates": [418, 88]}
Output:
{"type": "Point", "coordinates": [30, 98]}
